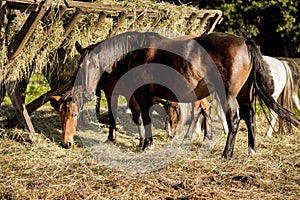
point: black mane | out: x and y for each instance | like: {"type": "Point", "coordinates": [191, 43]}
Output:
{"type": "Point", "coordinates": [117, 47]}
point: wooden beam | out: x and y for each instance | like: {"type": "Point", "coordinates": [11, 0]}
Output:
{"type": "Point", "coordinates": [190, 22]}
{"type": "Point", "coordinates": [72, 23]}
{"type": "Point", "coordinates": [156, 21]}
{"type": "Point", "coordinates": [204, 20]}
{"type": "Point", "coordinates": [216, 20]}
{"type": "Point", "coordinates": [22, 5]}
{"type": "Point", "coordinates": [34, 105]}
{"type": "Point", "coordinates": [22, 115]}
{"type": "Point", "coordinates": [117, 24]}
{"type": "Point", "coordinates": [26, 31]}
{"type": "Point", "coordinates": [101, 18]}
{"type": "Point", "coordinates": [49, 29]}
{"type": "Point", "coordinates": [3, 18]}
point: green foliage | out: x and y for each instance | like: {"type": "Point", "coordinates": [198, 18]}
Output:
{"type": "Point", "coordinates": [37, 86]}
{"type": "Point", "coordinates": [273, 24]}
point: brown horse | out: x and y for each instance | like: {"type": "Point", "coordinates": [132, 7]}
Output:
{"type": "Point", "coordinates": [238, 61]}
{"type": "Point", "coordinates": [178, 115]}
{"type": "Point", "coordinates": [68, 112]}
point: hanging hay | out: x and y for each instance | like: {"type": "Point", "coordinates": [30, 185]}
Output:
{"type": "Point", "coordinates": [56, 57]}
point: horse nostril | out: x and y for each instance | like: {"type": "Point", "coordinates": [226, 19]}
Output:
{"type": "Point", "coordinates": [68, 145]}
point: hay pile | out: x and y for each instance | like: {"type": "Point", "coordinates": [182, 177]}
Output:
{"type": "Point", "coordinates": [44, 170]}
{"type": "Point", "coordinates": [58, 58]}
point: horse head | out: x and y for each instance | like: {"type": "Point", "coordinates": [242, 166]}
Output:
{"type": "Point", "coordinates": [88, 71]}
{"type": "Point", "coordinates": [68, 112]}
{"type": "Point", "coordinates": [173, 118]}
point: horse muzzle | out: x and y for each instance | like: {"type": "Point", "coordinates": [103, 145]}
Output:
{"type": "Point", "coordinates": [68, 142]}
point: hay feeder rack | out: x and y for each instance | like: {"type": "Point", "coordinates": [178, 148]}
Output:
{"type": "Point", "coordinates": [39, 10]}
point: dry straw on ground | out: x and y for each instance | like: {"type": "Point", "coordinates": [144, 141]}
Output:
{"type": "Point", "coordinates": [45, 170]}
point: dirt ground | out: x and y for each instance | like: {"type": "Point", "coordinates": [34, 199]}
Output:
{"type": "Point", "coordinates": [44, 170]}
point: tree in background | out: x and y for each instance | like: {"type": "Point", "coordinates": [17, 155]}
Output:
{"type": "Point", "coordinates": [273, 24]}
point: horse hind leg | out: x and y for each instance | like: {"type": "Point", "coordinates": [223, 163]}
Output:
{"type": "Point", "coordinates": [233, 119]}
{"type": "Point", "coordinates": [247, 113]}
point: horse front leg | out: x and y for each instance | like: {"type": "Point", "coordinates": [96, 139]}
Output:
{"type": "Point", "coordinates": [112, 102]}
{"type": "Point", "coordinates": [195, 118]}
{"type": "Point", "coordinates": [98, 101]}
{"type": "Point", "coordinates": [145, 103]}
{"type": "Point", "coordinates": [207, 124]}
{"type": "Point", "coordinates": [233, 120]}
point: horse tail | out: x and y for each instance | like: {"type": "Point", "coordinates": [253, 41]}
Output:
{"type": "Point", "coordinates": [285, 99]}
{"type": "Point", "coordinates": [260, 77]}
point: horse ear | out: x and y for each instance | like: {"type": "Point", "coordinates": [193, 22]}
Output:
{"type": "Point", "coordinates": [54, 101]}
{"type": "Point", "coordinates": [78, 47]}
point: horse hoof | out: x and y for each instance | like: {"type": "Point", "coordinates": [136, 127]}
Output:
{"type": "Point", "coordinates": [227, 155]}
{"type": "Point", "coordinates": [108, 141]}
{"type": "Point", "coordinates": [128, 111]}
{"type": "Point", "coordinates": [141, 143]}
{"type": "Point", "coordinates": [148, 148]}
{"type": "Point", "coordinates": [251, 151]}
{"type": "Point", "coordinates": [188, 137]}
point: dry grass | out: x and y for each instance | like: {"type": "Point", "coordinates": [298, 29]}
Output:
{"type": "Point", "coordinates": [44, 170]}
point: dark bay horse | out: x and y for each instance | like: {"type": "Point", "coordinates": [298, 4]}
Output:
{"type": "Point", "coordinates": [238, 60]}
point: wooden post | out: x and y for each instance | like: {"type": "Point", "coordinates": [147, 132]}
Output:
{"type": "Point", "coordinates": [20, 109]}
{"type": "Point", "coordinates": [72, 23]}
